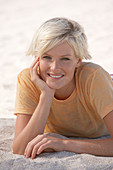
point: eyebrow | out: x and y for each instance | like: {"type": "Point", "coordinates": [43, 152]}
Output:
{"type": "Point", "coordinates": [61, 55]}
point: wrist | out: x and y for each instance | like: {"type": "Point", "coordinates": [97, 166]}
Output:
{"type": "Point", "coordinates": [69, 145]}
{"type": "Point", "coordinates": [48, 94]}
{"type": "Point", "coordinates": [47, 97]}
{"type": "Point", "coordinates": [65, 144]}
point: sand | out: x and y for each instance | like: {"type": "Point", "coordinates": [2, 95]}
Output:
{"type": "Point", "coordinates": [18, 22]}
{"type": "Point", "coordinates": [46, 161]}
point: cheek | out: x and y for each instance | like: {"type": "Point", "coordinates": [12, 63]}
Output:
{"type": "Point", "coordinates": [71, 69]}
{"type": "Point", "coordinates": [43, 66]}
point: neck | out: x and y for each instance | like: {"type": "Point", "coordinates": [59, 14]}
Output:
{"type": "Point", "coordinates": [64, 93]}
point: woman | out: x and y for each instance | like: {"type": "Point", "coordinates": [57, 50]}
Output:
{"type": "Point", "coordinates": [60, 94]}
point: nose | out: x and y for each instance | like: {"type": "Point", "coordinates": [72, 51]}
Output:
{"type": "Point", "coordinates": [55, 65]}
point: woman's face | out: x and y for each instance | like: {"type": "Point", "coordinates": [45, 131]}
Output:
{"type": "Point", "coordinates": [57, 66]}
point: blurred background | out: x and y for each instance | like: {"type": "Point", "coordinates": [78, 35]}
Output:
{"type": "Point", "coordinates": [19, 21]}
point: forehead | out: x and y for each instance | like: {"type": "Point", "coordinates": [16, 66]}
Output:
{"type": "Point", "coordinates": [62, 48]}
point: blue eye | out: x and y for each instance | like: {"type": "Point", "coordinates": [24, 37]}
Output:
{"type": "Point", "coordinates": [65, 58]}
{"type": "Point", "coordinates": [46, 57]}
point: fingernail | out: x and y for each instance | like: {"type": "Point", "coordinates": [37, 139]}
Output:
{"type": "Point", "coordinates": [27, 156]}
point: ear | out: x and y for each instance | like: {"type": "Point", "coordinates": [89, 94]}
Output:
{"type": "Point", "coordinates": [78, 62]}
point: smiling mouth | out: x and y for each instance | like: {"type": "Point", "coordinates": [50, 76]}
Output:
{"type": "Point", "coordinates": [55, 76]}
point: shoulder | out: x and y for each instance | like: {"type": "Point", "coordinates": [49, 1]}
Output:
{"type": "Point", "coordinates": [89, 69]}
{"type": "Point", "coordinates": [24, 75]}
{"type": "Point", "coordinates": [24, 81]}
{"type": "Point", "coordinates": [89, 66]}
{"type": "Point", "coordinates": [24, 78]}
{"type": "Point", "coordinates": [89, 73]}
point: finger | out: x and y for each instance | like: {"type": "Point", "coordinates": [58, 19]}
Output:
{"type": "Point", "coordinates": [48, 150]}
{"type": "Point", "coordinates": [33, 71]}
{"type": "Point", "coordinates": [36, 66]}
{"type": "Point", "coordinates": [44, 146]}
{"type": "Point", "coordinates": [34, 151]}
{"type": "Point", "coordinates": [31, 144]}
{"type": "Point", "coordinates": [28, 150]}
{"type": "Point", "coordinates": [34, 62]}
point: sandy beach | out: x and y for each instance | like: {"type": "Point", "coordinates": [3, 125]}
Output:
{"type": "Point", "coordinates": [18, 22]}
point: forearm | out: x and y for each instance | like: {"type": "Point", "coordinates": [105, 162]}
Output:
{"type": "Point", "coordinates": [98, 147]}
{"type": "Point", "coordinates": [36, 124]}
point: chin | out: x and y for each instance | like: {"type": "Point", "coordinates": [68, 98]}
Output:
{"type": "Point", "coordinates": [53, 86]}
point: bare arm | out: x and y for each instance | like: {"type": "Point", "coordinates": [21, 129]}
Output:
{"type": "Point", "coordinates": [99, 147]}
{"type": "Point", "coordinates": [34, 127]}
{"type": "Point", "coordinates": [28, 127]}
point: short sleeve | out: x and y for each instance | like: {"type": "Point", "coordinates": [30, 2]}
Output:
{"type": "Point", "coordinates": [27, 95]}
{"type": "Point", "coordinates": [101, 92]}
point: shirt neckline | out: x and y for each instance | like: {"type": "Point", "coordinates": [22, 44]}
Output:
{"type": "Point", "coordinates": [69, 98]}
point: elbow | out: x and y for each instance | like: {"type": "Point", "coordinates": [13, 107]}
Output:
{"type": "Point", "coordinates": [17, 150]}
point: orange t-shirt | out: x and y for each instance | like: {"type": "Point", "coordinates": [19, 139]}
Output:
{"type": "Point", "coordinates": [80, 115]}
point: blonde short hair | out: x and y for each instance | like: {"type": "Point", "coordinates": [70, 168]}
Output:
{"type": "Point", "coordinates": [55, 30]}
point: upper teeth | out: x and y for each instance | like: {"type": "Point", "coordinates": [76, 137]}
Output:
{"type": "Point", "coordinates": [55, 76]}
